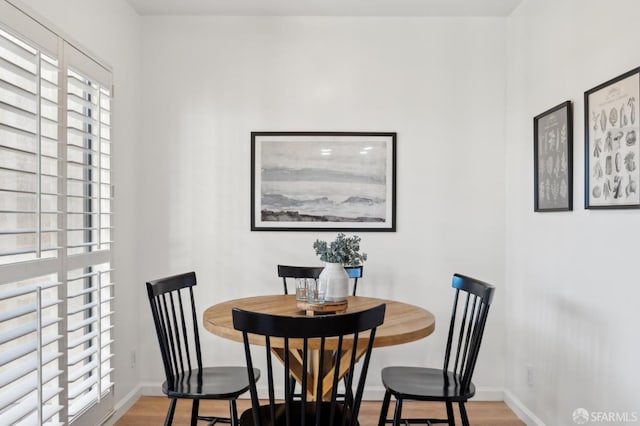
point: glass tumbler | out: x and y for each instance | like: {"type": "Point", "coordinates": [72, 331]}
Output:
{"type": "Point", "coordinates": [314, 295]}
{"type": "Point", "coordinates": [321, 286]}
{"type": "Point", "coordinates": [301, 289]}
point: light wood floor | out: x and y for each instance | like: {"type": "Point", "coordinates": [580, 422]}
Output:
{"type": "Point", "coordinates": [152, 410]}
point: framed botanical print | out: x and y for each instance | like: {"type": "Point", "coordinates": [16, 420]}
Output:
{"type": "Point", "coordinates": [612, 149]}
{"type": "Point", "coordinates": [553, 159]}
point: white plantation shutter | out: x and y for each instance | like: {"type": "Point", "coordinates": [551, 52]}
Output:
{"type": "Point", "coordinates": [88, 164]}
{"type": "Point", "coordinates": [28, 152]}
{"type": "Point", "coordinates": [89, 336]}
{"type": "Point", "coordinates": [56, 275]}
{"type": "Point", "coordinates": [30, 374]}
{"type": "Point", "coordinates": [88, 232]}
{"type": "Point", "coordinates": [30, 306]}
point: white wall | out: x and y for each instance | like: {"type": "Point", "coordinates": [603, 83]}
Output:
{"type": "Point", "coordinates": [111, 30]}
{"type": "Point", "coordinates": [572, 305]}
{"type": "Point", "coordinates": [208, 82]}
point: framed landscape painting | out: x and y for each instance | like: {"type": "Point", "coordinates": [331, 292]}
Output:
{"type": "Point", "coordinates": [323, 181]}
{"type": "Point", "coordinates": [553, 159]}
{"type": "Point", "coordinates": [612, 149]}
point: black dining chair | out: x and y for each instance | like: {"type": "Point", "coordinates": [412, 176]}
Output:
{"type": "Point", "coordinates": [451, 384]}
{"type": "Point", "coordinates": [291, 272]}
{"type": "Point", "coordinates": [334, 340]}
{"type": "Point", "coordinates": [174, 315]}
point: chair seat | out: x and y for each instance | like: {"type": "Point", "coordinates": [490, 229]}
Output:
{"type": "Point", "coordinates": [216, 383]}
{"type": "Point", "coordinates": [325, 409]}
{"type": "Point", "coordinates": [425, 384]}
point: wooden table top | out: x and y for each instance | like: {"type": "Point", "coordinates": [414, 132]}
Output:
{"type": "Point", "coordinates": [403, 322]}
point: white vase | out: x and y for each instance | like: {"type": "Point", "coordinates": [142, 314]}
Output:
{"type": "Point", "coordinates": [335, 282]}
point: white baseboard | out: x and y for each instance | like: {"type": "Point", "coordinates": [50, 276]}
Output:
{"type": "Point", "coordinates": [488, 394]}
{"type": "Point", "coordinates": [122, 406]}
{"type": "Point", "coordinates": [521, 410]}
{"type": "Point", "coordinates": [151, 389]}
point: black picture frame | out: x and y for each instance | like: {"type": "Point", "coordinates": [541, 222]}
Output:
{"type": "Point", "coordinates": [553, 159]}
{"type": "Point", "coordinates": [612, 145]}
{"type": "Point", "coordinates": [323, 181]}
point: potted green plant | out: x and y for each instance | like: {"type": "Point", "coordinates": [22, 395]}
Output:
{"type": "Point", "coordinates": [343, 251]}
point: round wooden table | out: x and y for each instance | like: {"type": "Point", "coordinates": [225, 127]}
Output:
{"type": "Point", "coordinates": [403, 323]}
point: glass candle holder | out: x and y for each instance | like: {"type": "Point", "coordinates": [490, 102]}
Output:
{"type": "Point", "coordinates": [301, 289]}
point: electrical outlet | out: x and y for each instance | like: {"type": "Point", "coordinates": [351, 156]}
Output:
{"type": "Point", "coordinates": [132, 358]}
{"type": "Point", "coordinates": [530, 375]}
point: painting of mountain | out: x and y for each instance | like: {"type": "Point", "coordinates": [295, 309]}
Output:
{"type": "Point", "coordinates": [323, 180]}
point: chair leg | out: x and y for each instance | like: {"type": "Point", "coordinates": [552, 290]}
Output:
{"type": "Point", "coordinates": [450, 418]}
{"type": "Point", "coordinates": [463, 414]}
{"type": "Point", "coordinates": [385, 409]}
{"type": "Point", "coordinates": [172, 409]}
{"type": "Point", "coordinates": [398, 413]}
{"type": "Point", "coordinates": [194, 412]}
{"type": "Point", "coordinates": [233, 412]}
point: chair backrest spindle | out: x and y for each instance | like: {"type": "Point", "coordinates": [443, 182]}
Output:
{"type": "Point", "coordinates": [463, 339]}
{"type": "Point", "coordinates": [196, 334]}
{"type": "Point", "coordinates": [163, 339]}
{"type": "Point", "coordinates": [179, 342]}
{"type": "Point", "coordinates": [171, 340]}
